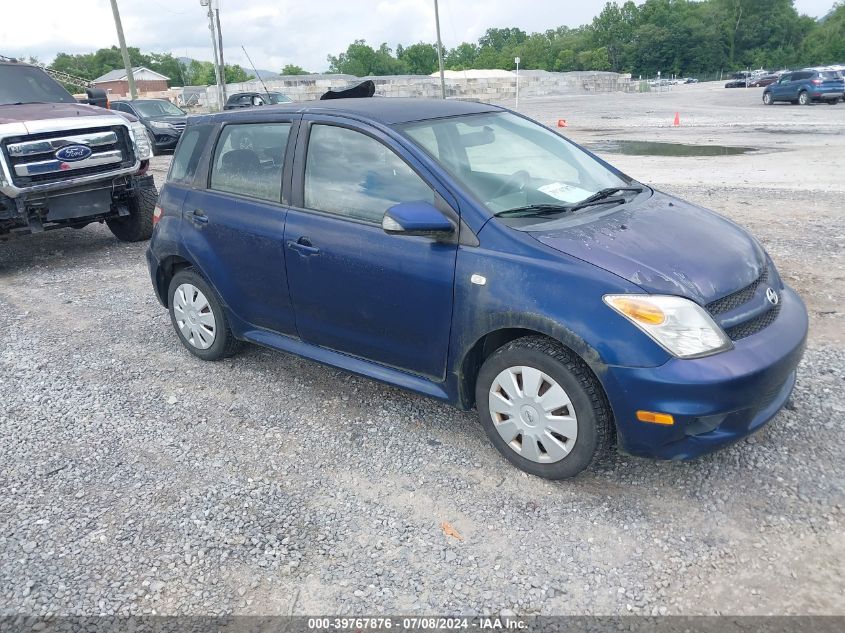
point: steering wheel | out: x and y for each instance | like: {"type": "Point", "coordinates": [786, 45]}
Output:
{"type": "Point", "coordinates": [517, 180]}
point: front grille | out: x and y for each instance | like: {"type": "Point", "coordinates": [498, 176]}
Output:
{"type": "Point", "coordinates": [32, 158]}
{"type": "Point", "coordinates": [180, 126]}
{"type": "Point", "coordinates": [752, 326]}
{"type": "Point", "coordinates": [738, 298]}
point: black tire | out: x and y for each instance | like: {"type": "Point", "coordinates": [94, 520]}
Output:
{"type": "Point", "coordinates": [832, 101]}
{"type": "Point", "coordinates": [804, 98]}
{"type": "Point", "coordinates": [594, 418]}
{"type": "Point", "coordinates": [767, 98]}
{"type": "Point", "coordinates": [225, 344]}
{"type": "Point", "coordinates": [138, 225]}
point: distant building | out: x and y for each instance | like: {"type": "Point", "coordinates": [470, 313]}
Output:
{"type": "Point", "coordinates": [115, 83]}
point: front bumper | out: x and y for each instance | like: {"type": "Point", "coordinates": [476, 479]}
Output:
{"type": "Point", "coordinates": [165, 140]}
{"type": "Point", "coordinates": [716, 400]}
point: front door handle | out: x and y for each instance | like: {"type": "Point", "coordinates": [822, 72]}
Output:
{"type": "Point", "coordinates": [199, 217]}
{"type": "Point", "coordinates": [303, 246]}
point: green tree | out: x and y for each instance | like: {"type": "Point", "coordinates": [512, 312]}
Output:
{"type": "Point", "coordinates": [362, 60]}
{"type": "Point", "coordinates": [293, 69]}
{"type": "Point", "coordinates": [462, 56]}
{"type": "Point", "coordinates": [827, 44]}
{"type": "Point", "coordinates": [419, 59]}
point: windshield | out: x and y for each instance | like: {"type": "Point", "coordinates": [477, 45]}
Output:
{"type": "Point", "coordinates": [157, 108]}
{"type": "Point", "coordinates": [508, 162]}
{"type": "Point", "coordinates": [28, 84]}
{"type": "Point", "coordinates": [278, 97]}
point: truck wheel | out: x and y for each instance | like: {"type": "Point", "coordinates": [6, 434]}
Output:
{"type": "Point", "coordinates": [199, 318]}
{"type": "Point", "coordinates": [543, 408]}
{"type": "Point", "coordinates": [138, 225]}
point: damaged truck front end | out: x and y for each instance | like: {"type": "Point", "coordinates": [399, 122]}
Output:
{"type": "Point", "coordinates": [66, 164]}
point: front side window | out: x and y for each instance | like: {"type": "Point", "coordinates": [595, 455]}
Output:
{"type": "Point", "coordinates": [248, 160]}
{"type": "Point", "coordinates": [508, 162]}
{"type": "Point", "coordinates": [351, 174]}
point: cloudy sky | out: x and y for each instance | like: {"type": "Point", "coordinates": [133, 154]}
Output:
{"type": "Point", "coordinates": [278, 32]}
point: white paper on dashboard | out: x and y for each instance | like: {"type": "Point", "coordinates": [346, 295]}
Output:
{"type": "Point", "coordinates": [562, 191]}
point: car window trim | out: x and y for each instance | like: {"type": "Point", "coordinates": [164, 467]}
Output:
{"type": "Point", "coordinates": [301, 157]}
{"type": "Point", "coordinates": [208, 161]}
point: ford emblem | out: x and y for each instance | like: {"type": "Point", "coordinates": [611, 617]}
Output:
{"type": "Point", "coordinates": [71, 153]}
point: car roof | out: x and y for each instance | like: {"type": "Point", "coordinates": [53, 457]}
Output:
{"type": "Point", "coordinates": [387, 110]}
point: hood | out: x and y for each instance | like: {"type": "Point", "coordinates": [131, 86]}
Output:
{"type": "Point", "coordinates": [665, 246]}
{"type": "Point", "coordinates": [167, 118]}
{"type": "Point", "coordinates": [40, 111]}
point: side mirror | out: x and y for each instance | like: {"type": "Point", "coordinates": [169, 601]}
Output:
{"type": "Point", "coordinates": [417, 218]}
{"type": "Point", "coordinates": [96, 97]}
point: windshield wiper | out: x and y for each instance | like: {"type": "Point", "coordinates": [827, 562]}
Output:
{"type": "Point", "coordinates": [533, 210]}
{"type": "Point", "coordinates": [606, 193]}
{"type": "Point", "coordinates": [604, 196]}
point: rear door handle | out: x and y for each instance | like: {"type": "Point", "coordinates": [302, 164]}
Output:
{"type": "Point", "coordinates": [199, 217]}
{"type": "Point", "coordinates": [303, 246]}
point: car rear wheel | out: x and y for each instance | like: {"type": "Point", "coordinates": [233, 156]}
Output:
{"type": "Point", "coordinates": [198, 317]}
{"type": "Point", "coordinates": [543, 409]}
{"type": "Point", "coordinates": [804, 98]}
{"type": "Point", "coordinates": [767, 98]}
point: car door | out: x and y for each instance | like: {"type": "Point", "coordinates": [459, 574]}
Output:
{"type": "Point", "coordinates": [356, 289]}
{"type": "Point", "coordinates": [778, 88]}
{"type": "Point", "coordinates": [233, 224]}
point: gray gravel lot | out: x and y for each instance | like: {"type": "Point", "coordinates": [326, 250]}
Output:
{"type": "Point", "coordinates": [138, 479]}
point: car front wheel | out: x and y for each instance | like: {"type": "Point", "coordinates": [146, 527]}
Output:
{"type": "Point", "coordinates": [543, 409]}
{"type": "Point", "coordinates": [198, 317]}
{"type": "Point", "coordinates": [767, 98]}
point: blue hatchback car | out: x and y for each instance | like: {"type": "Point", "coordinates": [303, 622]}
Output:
{"type": "Point", "coordinates": [468, 253]}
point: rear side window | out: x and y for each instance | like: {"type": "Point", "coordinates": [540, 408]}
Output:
{"type": "Point", "coordinates": [802, 76]}
{"type": "Point", "coordinates": [249, 159]}
{"type": "Point", "coordinates": [188, 154]}
{"type": "Point", "coordinates": [354, 175]}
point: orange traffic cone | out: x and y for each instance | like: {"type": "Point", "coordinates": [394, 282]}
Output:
{"type": "Point", "coordinates": [677, 119]}
{"type": "Point", "coordinates": [561, 122]}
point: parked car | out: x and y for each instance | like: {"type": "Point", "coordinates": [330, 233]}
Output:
{"type": "Point", "coordinates": [163, 120]}
{"type": "Point", "coordinates": [805, 87]}
{"type": "Point", "coordinates": [468, 253]}
{"type": "Point", "coordinates": [252, 99]}
{"type": "Point", "coordinates": [690, 80]}
{"type": "Point", "coordinates": [67, 164]}
{"type": "Point", "coordinates": [763, 81]}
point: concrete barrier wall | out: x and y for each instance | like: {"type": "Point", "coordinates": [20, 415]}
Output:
{"type": "Point", "coordinates": [531, 83]}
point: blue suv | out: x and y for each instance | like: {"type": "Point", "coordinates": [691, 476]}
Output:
{"type": "Point", "coordinates": [806, 87]}
{"type": "Point", "coordinates": [468, 253]}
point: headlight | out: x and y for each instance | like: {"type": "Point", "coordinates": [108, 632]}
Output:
{"type": "Point", "coordinates": [138, 132]}
{"type": "Point", "coordinates": [679, 325]}
{"type": "Point", "coordinates": [162, 125]}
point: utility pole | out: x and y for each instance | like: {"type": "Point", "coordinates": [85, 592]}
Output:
{"type": "Point", "coordinates": [220, 47]}
{"type": "Point", "coordinates": [218, 75]}
{"type": "Point", "coordinates": [123, 52]}
{"type": "Point", "coordinates": [440, 51]}
{"type": "Point", "coordinates": [516, 60]}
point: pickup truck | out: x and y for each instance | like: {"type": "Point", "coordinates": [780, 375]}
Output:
{"type": "Point", "coordinates": [68, 164]}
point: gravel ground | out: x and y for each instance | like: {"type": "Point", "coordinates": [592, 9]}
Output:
{"type": "Point", "coordinates": [137, 479]}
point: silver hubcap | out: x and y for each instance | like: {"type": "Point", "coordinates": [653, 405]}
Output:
{"type": "Point", "coordinates": [194, 317]}
{"type": "Point", "coordinates": [803, 98]}
{"type": "Point", "coordinates": [533, 414]}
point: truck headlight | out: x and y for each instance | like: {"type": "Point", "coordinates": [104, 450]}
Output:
{"type": "Point", "coordinates": [680, 326]}
{"type": "Point", "coordinates": [143, 149]}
